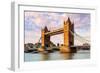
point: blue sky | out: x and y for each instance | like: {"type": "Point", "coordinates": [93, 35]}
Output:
{"type": "Point", "coordinates": [35, 21]}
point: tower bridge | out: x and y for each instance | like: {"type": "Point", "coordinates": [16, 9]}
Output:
{"type": "Point", "coordinates": [68, 30]}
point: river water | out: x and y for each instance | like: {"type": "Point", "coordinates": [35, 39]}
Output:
{"type": "Point", "coordinates": [81, 54]}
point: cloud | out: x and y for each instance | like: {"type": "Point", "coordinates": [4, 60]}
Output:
{"type": "Point", "coordinates": [32, 36]}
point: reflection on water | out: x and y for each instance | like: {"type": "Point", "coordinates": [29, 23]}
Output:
{"type": "Point", "coordinates": [81, 54]}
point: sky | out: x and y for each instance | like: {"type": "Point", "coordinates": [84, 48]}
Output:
{"type": "Point", "coordinates": [35, 21]}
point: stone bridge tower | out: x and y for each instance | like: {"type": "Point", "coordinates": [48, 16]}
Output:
{"type": "Point", "coordinates": [68, 37]}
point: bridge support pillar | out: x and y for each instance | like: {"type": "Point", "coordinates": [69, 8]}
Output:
{"type": "Point", "coordinates": [64, 49]}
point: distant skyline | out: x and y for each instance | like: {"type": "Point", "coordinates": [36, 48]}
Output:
{"type": "Point", "coordinates": [35, 21]}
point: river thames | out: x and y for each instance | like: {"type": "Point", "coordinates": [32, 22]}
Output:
{"type": "Point", "coordinates": [80, 54]}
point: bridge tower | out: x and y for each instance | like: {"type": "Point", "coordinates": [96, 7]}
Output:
{"type": "Point", "coordinates": [45, 38]}
{"type": "Point", "coordinates": [68, 37]}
